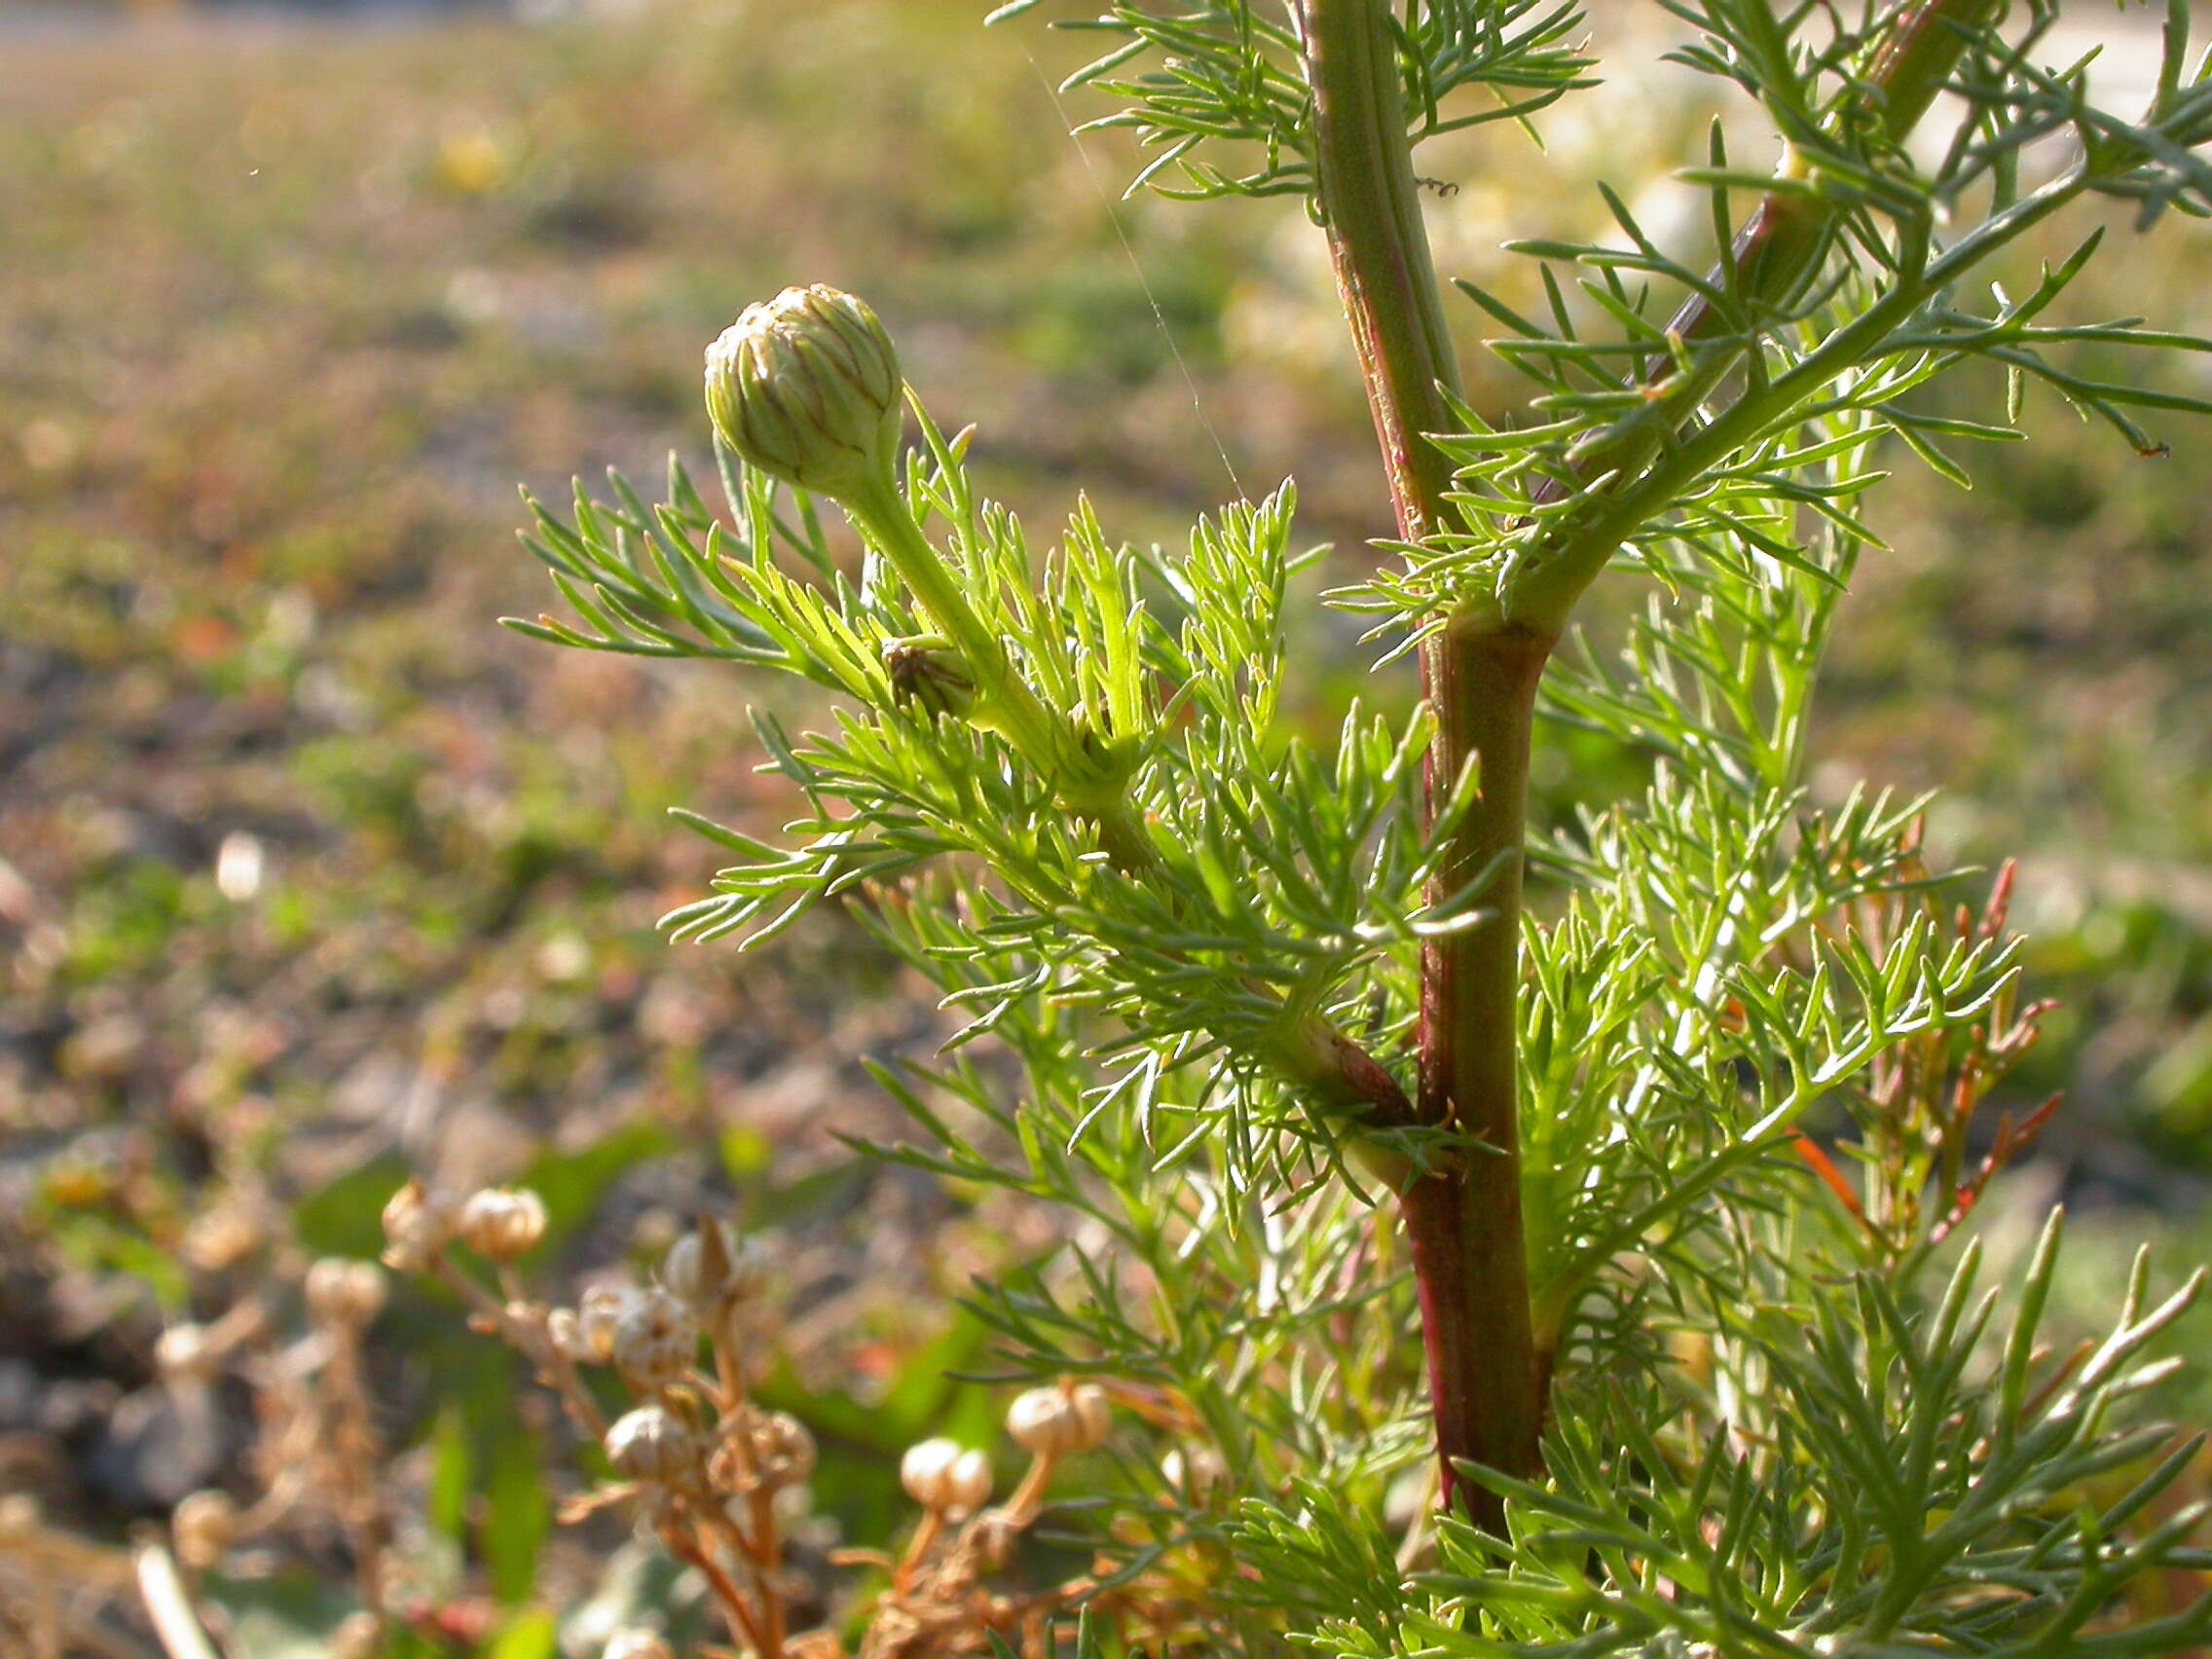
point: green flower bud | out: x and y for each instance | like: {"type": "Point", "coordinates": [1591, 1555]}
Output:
{"type": "Point", "coordinates": [806, 388]}
{"type": "Point", "coordinates": [928, 673]}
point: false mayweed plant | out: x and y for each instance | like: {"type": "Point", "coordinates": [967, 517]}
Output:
{"type": "Point", "coordinates": [1621, 1179]}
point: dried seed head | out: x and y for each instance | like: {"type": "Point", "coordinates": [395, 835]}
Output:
{"type": "Point", "coordinates": [419, 1222]}
{"type": "Point", "coordinates": [636, 1645]}
{"type": "Point", "coordinates": [783, 1450]}
{"type": "Point", "coordinates": [938, 1475]}
{"type": "Point", "coordinates": [598, 1315]}
{"type": "Point", "coordinates": [651, 1444]}
{"type": "Point", "coordinates": [712, 1269]}
{"type": "Point", "coordinates": [806, 388]}
{"type": "Point", "coordinates": [655, 1339]}
{"type": "Point", "coordinates": [566, 1332]}
{"type": "Point", "coordinates": [186, 1353]}
{"type": "Point", "coordinates": [345, 1293]}
{"type": "Point", "coordinates": [204, 1526]}
{"type": "Point", "coordinates": [1059, 1423]}
{"type": "Point", "coordinates": [503, 1222]}
{"type": "Point", "coordinates": [222, 1237]}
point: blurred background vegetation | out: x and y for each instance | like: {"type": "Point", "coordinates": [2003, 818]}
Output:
{"type": "Point", "coordinates": [310, 874]}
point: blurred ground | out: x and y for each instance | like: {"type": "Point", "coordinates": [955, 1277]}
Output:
{"type": "Point", "coordinates": [307, 871]}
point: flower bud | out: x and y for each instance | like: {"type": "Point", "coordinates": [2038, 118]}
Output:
{"type": "Point", "coordinates": [636, 1643]}
{"type": "Point", "coordinates": [419, 1222]}
{"type": "Point", "coordinates": [806, 388]}
{"type": "Point", "coordinates": [203, 1526]}
{"type": "Point", "coordinates": [654, 1339]}
{"type": "Point", "coordinates": [650, 1444]}
{"type": "Point", "coordinates": [503, 1222]}
{"type": "Point", "coordinates": [938, 1475]}
{"type": "Point", "coordinates": [1059, 1422]}
{"type": "Point", "coordinates": [345, 1293]}
{"type": "Point", "coordinates": [927, 673]}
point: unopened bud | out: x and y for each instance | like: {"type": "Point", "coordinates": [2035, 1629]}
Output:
{"type": "Point", "coordinates": [1059, 1423]}
{"type": "Point", "coordinates": [650, 1444]}
{"type": "Point", "coordinates": [636, 1645]}
{"type": "Point", "coordinates": [345, 1293]}
{"type": "Point", "coordinates": [655, 1339]}
{"type": "Point", "coordinates": [938, 1475]}
{"type": "Point", "coordinates": [203, 1526]}
{"type": "Point", "coordinates": [927, 673]}
{"type": "Point", "coordinates": [503, 1222]}
{"type": "Point", "coordinates": [806, 388]}
{"type": "Point", "coordinates": [419, 1222]}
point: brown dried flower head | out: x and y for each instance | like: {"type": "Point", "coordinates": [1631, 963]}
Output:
{"type": "Point", "coordinates": [503, 1222]}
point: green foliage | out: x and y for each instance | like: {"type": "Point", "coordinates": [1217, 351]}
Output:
{"type": "Point", "coordinates": [1223, 76]}
{"type": "Point", "coordinates": [1784, 1421]}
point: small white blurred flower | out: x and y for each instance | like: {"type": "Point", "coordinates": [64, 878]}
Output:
{"type": "Point", "coordinates": [240, 862]}
{"type": "Point", "coordinates": [186, 1353]}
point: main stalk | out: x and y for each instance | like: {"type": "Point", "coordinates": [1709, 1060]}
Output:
{"type": "Point", "coordinates": [1464, 1214]}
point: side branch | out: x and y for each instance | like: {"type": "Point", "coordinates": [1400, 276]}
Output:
{"type": "Point", "coordinates": [1775, 256]}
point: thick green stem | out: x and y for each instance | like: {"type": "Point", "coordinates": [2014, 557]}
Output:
{"type": "Point", "coordinates": [1463, 1213]}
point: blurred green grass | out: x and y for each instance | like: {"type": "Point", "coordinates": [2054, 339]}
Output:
{"type": "Point", "coordinates": [300, 855]}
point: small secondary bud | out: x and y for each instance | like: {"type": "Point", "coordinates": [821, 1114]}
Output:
{"type": "Point", "coordinates": [503, 1222]}
{"type": "Point", "coordinates": [636, 1645]}
{"type": "Point", "coordinates": [927, 673]}
{"type": "Point", "coordinates": [650, 1444]}
{"type": "Point", "coordinates": [938, 1475]}
{"type": "Point", "coordinates": [419, 1222]}
{"type": "Point", "coordinates": [806, 388]}
{"type": "Point", "coordinates": [1058, 1422]}
{"type": "Point", "coordinates": [654, 1339]}
{"type": "Point", "coordinates": [346, 1293]}
{"type": "Point", "coordinates": [203, 1526]}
